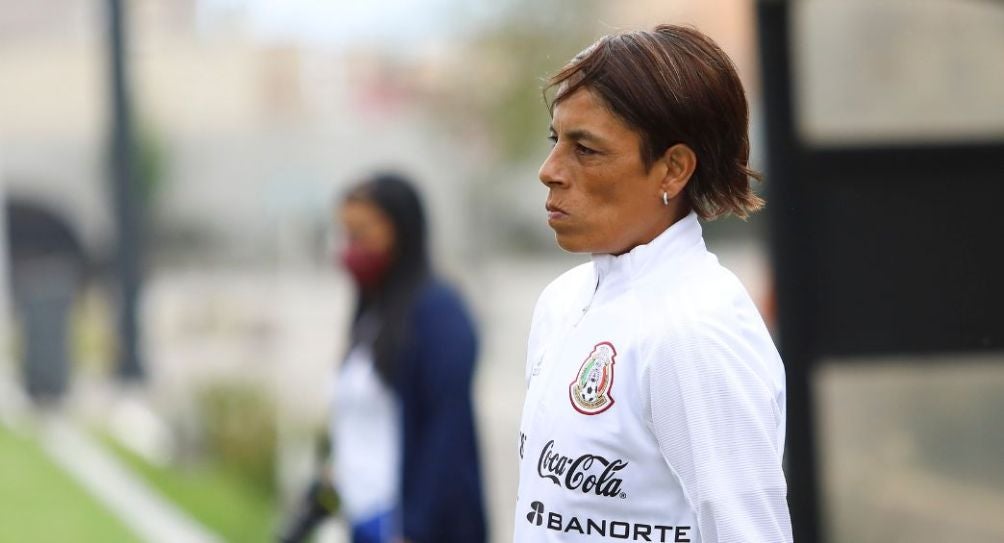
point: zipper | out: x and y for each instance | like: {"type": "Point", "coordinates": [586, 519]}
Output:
{"type": "Point", "coordinates": [582, 315]}
{"type": "Point", "coordinates": [585, 310]}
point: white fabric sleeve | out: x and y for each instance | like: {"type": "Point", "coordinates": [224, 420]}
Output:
{"type": "Point", "coordinates": [716, 422]}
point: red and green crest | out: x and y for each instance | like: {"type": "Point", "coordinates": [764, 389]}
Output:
{"type": "Point", "coordinates": [590, 390]}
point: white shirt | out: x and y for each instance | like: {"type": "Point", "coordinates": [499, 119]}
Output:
{"type": "Point", "coordinates": [366, 439]}
{"type": "Point", "coordinates": [655, 405]}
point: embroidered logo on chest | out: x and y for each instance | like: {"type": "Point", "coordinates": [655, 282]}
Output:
{"type": "Point", "coordinates": [590, 391]}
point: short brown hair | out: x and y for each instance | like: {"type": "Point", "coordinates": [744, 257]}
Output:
{"type": "Point", "coordinates": [675, 85]}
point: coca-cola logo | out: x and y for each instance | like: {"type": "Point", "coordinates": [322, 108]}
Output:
{"type": "Point", "coordinates": [589, 473]}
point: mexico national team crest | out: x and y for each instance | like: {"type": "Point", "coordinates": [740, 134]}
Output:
{"type": "Point", "coordinates": [590, 391]}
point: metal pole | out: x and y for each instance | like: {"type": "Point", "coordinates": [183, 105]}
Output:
{"type": "Point", "coordinates": [790, 245]}
{"type": "Point", "coordinates": [126, 202]}
{"type": "Point", "coordinates": [5, 278]}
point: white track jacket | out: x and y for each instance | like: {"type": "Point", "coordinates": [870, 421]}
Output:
{"type": "Point", "coordinates": [655, 405]}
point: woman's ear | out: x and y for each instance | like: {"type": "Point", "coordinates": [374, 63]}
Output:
{"type": "Point", "coordinates": [680, 163]}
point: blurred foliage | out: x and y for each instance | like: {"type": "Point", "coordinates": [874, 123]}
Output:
{"type": "Point", "coordinates": [42, 503]}
{"type": "Point", "coordinates": [149, 162]}
{"type": "Point", "coordinates": [239, 429]}
{"type": "Point", "coordinates": [224, 502]}
{"type": "Point", "coordinates": [92, 332]}
{"type": "Point", "coordinates": [510, 61]}
{"type": "Point", "coordinates": [228, 483]}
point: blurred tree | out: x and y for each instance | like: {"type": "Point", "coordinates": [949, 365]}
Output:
{"type": "Point", "coordinates": [494, 102]}
{"type": "Point", "coordinates": [507, 63]}
{"type": "Point", "coordinates": [150, 157]}
{"type": "Point", "coordinates": [542, 44]}
{"type": "Point", "coordinates": [239, 425]}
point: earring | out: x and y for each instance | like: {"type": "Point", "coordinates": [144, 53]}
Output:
{"type": "Point", "coordinates": [665, 199]}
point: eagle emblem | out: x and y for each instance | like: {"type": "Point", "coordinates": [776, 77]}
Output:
{"type": "Point", "coordinates": [590, 391]}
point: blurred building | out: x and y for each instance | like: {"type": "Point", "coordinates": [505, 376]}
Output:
{"type": "Point", "coordinates": [247, 133]}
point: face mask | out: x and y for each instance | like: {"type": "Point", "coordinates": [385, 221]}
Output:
{"type": "Point", "coordinates": [367, 268]}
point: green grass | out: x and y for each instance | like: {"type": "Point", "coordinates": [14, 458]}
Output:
{"type": "Point", "coordinates": [41, 504]}
{"type": "Point", "coordinates": [220, 500]}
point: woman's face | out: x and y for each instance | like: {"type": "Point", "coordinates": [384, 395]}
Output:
{"type": "Point", "coordinates": [367, 228]}
{"type": "Point", "coordinates": [602, 199]}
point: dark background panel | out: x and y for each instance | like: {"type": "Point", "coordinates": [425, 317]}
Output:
{"type": "Point", "coordinates": [908, 250]}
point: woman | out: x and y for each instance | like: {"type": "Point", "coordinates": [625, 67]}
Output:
{"type": "Point", "coordinates": [405, 459]}
{"type": "Point", "coordinates": [655, 404]}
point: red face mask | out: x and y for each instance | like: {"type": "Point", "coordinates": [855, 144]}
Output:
{"type": "Point", "coordinates": [367, 268]}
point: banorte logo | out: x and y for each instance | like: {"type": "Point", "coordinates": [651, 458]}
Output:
{"type": "Point", "coordinates": [634, 531]}
{"type": "Point", "coordinates": [536, 514]}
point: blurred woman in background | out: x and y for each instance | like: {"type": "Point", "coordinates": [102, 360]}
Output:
{"type": "Point", "coordinates": [404, 447]}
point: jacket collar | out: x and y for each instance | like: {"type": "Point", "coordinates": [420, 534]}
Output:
{"type": "Point", "coordinates": [667, 250]}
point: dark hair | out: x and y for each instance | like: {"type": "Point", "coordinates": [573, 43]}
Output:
{"type": "Point", "coordinates": [674, 85]}
{"type": "Point", "coordinates": [391, 303]}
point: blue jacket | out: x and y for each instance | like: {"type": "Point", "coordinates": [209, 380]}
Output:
{"type": "Point", "coordinates": [441, 480]}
